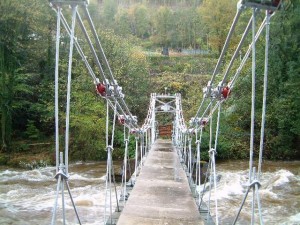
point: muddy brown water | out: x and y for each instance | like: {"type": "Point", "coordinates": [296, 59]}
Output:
{"type": "Point", "coordinates": [27, 196]}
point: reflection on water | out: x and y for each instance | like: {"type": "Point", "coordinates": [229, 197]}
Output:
{"type": "Point", "coordinates": [27, 197]}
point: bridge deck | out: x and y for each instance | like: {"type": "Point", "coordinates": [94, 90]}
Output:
{"type": "Point", "coordinates": [161, 194]}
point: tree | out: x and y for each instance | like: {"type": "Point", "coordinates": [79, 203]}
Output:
{"type": "Point", "coordinates": [141, 21]}
{"type": "Point", "coordinates": [217, 17]}
{"type": "Point", "coordinates": [130, 67]}
{"type": "Point", "coordinates": [123, 23]}
{"type": "Point", "coordinates": [110, 9]}
{"type": "Point", "coordinates": [188, 27]}
{"type": "Point", "coordinates": [21, 43]}
{"type": "Point", "coordinates": [163, 25]}
{"type": "Point", "coordinates": [282, 118]}
{"type": "Point", "coordinates": [283, 134]}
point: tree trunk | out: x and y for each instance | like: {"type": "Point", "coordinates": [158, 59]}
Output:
{"type": "Point", "coordinates": [5, 98]}
{"type": "Point", "coordinates": [3, 128]}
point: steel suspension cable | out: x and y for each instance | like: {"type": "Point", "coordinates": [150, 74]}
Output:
{"type": "Point", "coordinates": [108, 185]}
{"type": "Point", "coordinates": [206, 109]}
{"type": "Point", "coordinates": [114, 126]}
{"type": "Point", "coordinates": [141, 149]}
{"type": "Point", "coordinates": [195, 164]}
{"type": "Point", "coordinates": [126, 140]}
{"type": "Point", "coordinates": [198, 160]}
{"type": "Point", "coordinates": [254, 184]}
{"type": "Point", "coordinates": [105, 61]}
{"type": "Point", "coordinates": [252, 97]}
{"type": "Point", "coordinates": [110, 169]}
{"type": "Point", "coordinates": [56, 200]}
{"type": "Point", "coordinates": [258, 204]}
{"type": "Point", "coordinates": [243, 62]}
{"type": "Point", "coordinates": [239, 69]}
{"type": "Point", "coordinates": [263, 119]}
{"type": "Point", "coordinates": [224, 49]}
{"type": "Point", "coordinates": [56, 87]}
{"type": "Point", "coordinates": [218, 126]}
{"type": "Point", "coordinates": [74, 9]}
{"type": "Point", "coordinates": [108, 159]}
{"type": "Point", "coordinates": [107, 123]}
{"type": "Point", "coordinates": [77, 45]}
{"type": "Point", "coordinates": [241, 206]}
{"type": "Point", "coordinates": [246, 56]}
{"type": "Point", "coordinates": [84, 31]}
{"type": "Point", "coordinates": [184, 148]}
{"type": "Point", "coordinates": [204, 186]}
{"type": "Point", "coordinates": [136, 156]}
{"type": "Point", "coordinates": [214, 151]}
{"type": "Point", "coordinates": [210, 129]}
{"type": "Point", "coordinates": [210, 160]}
{"type": "Point", "coordinates": [95, 57]}
{"type": "Point", "coordinates": [225, 46]}
{"type": "Point", "coordinates": [234, 56]}
{"type": "Point", "coordinates": [112, 147]}
{"type": "Point", "coordinates": [61, 167]}
{"type": "Point", "coordinates": [73, 203]}
{"type": "Point", "coordinates": [190, 158]}
{"type": "Point", "coordinates": [98, 43]}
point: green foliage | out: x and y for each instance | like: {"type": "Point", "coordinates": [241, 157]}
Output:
{"type": "Point", "coordinates": [3, 159]}
{"type": "Point", "coordinates": [123, 23]}
{"type": "Point", "coordinates": [33, 165]}
{"type": "Point", "coordinates": [109, 11]}
{"type": "Point", "coordinates": [216, 17]}
{"type": "Point", "coordinates": [141, 21]}
{"type": "Point", "coordinates": [31, 131]}
{"type": "Point", "coordinates": [131, 69]}
{"type": "Point", "coordinates": [119, 144]}
{"type": "Point", "coordinates": [282, 119]}
{"type": "Point", "coordinates": [27, 63]}
{"type": "Point", "coordinates": [87, 122]}
{"type": "Point", "coordinates": [283, 135]}
{"type": "Point", "coordinates": [163, 25]}
{"type": "Point", "coordinates": [21, 34]}
{"type": "Point", "coordinates": [189, 64]}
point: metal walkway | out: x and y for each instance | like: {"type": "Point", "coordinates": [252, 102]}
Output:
{"type": "Point", "coordinates": [161, 194]}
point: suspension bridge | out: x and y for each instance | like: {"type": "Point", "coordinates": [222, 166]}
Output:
{"type": "Point", "coordinates": [165, 185]}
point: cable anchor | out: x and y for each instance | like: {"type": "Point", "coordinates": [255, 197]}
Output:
{"type": "Point", "coordinates": [207, 90]}
{"type": "Point", "coordinates": [109, 148]}
{"type": "Point", "coordinates": [253, 183]}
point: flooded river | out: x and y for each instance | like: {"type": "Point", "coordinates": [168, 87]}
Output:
{"type": "Point", "coordinates": [279, 193]}
{"type": "Point", "coordinates": [27, 197]}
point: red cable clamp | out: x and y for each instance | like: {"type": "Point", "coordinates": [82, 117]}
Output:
{"type": "Point", "coordinates": [132, 131]}
{"type": "Point", "coordinates": [101, 89]}
{"type": "Point", "coordinates": [275, 3]}
{"type": "Point", "coordinates": [225, 92]}
{"type": "Point", "coordinates": [121, 119]}
{"type": "Point", "coordinates": [203, 122]}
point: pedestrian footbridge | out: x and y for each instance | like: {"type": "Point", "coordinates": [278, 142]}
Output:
{"type": "Point", "coordinates": [164, 188]}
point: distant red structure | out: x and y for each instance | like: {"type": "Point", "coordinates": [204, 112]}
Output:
{"type": "Point", "coordinates": [165, 131]}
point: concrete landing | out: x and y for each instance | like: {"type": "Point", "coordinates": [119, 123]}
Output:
{"type": "Point", "coordinates": [161, 195]}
